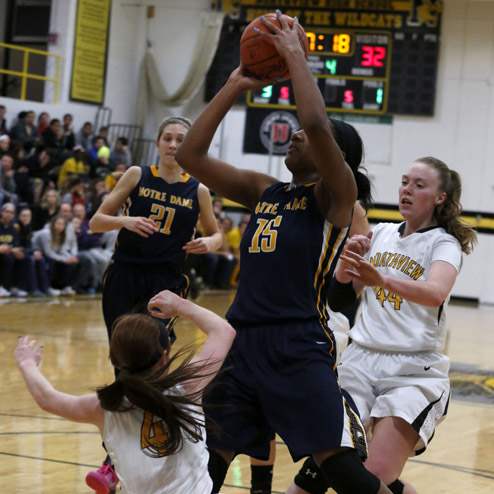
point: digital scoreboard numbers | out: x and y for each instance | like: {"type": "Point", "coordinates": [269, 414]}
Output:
{"type": "Point", "coordinates": [368, 56]}
{"type": "Point", "coordinates": [352, 70]}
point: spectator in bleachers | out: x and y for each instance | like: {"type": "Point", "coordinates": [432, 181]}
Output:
{"type": "Point", "coordinates": [112, 178]}
{"type": "Point", "coordinates": [24, 183]}
{"type": "Point", "coordinates": [43, 169]}
{"type": "Point", "coordinates": [76, 193]}
{"type": "Point", "coordinates": [60, 250]}
{"type": "Point", "coordinates": [66, 212]}
{"type": "Point", "coordinates": [53, 139]}
{"type": "Point", "coordinates": [98, 143]}
{"type": "Point", "coordinates": [4, 144]}
{"type": "Point", "coordinates": [43, 123]}
{"type": "Point", "coordinates": [91, 271]}
{"type": "Point", "coordinates": [48, 209]}
{"type": "Point", "coordinates": [7, 177]}
{"type": "Point", "coordinates": [74, 166]}
{"type": "Point", "coordinates": [97, 193]}
{"type": "Point", "coordinates": [11, 255]}
{"type": "Point", "coordinates": [85, 136]}
{"type": "Point", "coordinates": [68, 132]}
{"type": "Point", "coordinates": [3, 120]}
{"type": "Point", "coordinates": [38, 279]}
{"type": "Point", "coordinates": [104, 133]}
{"type": "Point", "coordinates": [24, 131]}
{"type": "Point", "coordinates": [218, 208]}
{"type": "Point", "coordinates": [120, 153]}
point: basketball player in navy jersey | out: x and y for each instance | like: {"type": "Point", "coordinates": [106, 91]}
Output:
{"type": "Point", "coordinates": [161, 206]}
{"type": "Point", "coordinates": [279, 376]}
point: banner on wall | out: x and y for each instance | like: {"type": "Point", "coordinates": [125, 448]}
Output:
{"type": "Point", "coordinates": [90, 51]}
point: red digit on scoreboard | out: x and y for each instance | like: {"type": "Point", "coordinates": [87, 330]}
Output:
{"type": "Point", "coordinates": [373, 56]}
{"type": "Point", "coordinates": [348, 96]}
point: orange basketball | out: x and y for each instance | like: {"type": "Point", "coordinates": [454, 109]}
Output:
{"type": "Point", "coordinates": [259, 57]}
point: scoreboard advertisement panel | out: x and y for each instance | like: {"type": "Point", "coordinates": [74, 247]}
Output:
{"type": "Point", "coordinates": [369, 57]}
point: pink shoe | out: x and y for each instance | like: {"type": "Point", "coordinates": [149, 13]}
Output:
{"type": "Point", "coordinates": [102, 481]}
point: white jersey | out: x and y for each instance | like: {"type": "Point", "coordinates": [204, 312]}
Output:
{"type": "Point", "coordinates": [132, 439]}
{"type": "Point", "coordinates": [387, 321]}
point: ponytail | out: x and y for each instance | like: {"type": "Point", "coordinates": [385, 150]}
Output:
{"type": "Point", "coordinates": [448, 214]}
{"type": "Point", "coordinates": [155, 389]}
{"type": "Point", "coordinates": [156, 393]}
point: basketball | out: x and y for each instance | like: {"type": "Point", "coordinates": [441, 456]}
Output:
{"type": "Point", "coordinates": [259, 56]}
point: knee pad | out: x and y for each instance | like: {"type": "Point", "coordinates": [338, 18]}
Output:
{"type": "Point", "coordinates": [217, 467]}
{"type": "Point", "coordinates": [347, 474]}
{"type": "Point", "coordinates": [310, 478]}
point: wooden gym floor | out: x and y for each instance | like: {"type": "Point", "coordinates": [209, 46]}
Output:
{"type": "Point", "coordinates": [40, 453]}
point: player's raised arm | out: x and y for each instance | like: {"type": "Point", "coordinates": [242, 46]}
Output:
{"type": "Point", "coordinates": [337, 190]}
{"type": "Point", "coordinates": [220, 334]}
{"type": "Point", "coordinates": [242, 186]}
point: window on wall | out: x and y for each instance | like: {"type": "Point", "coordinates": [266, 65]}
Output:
{"type": "Point", "coordinates": [27, 26]}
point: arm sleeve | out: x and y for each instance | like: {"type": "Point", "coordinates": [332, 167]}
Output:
{"type": "Point", "coordinates": [340, 295]}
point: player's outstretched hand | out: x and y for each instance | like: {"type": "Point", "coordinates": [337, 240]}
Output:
{"type": "Point", "coordinates": [361, 269]}
{"type": "Point", "coordinates": [165, 304]}
{"type": "Point", "coordinates": [200, 245]}
{"type": "Point", "coordinates": [28, 351]}
{"type": "Point", "coordinates": [144, 227]}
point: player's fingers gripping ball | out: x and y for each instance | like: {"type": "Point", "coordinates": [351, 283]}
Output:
{"type": "Point", "coordinates": [259, 56]}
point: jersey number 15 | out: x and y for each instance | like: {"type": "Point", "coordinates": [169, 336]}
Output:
{"type": "Point", "coordinates": [265, 236]}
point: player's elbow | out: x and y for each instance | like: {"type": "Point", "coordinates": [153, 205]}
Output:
{"type": "Point", "coordinates": [437, 299]}
{"type": "Point", "coordinates": [94, 224]}
{"type": "Point", "coordinates": [229, 332]}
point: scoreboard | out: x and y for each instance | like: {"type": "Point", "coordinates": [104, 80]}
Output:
{"type": "Point", "coordinates": [368, 56]}
{"type": "Point", "coordinates": [351, 69]}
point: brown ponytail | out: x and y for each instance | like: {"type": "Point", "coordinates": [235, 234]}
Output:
{"type": "Point", "coordinates": [448, 214]}
{"type": "Point", "coordinates": [135, 351]}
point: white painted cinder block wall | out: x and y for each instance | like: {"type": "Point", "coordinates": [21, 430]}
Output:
{"type": "Point", "coordinates": [461, 131]}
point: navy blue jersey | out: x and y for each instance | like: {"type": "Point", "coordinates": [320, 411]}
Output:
{"type": "Point", "coordinates": [173, 207]}
{"type": "Point", "coordinates": [287, 257]}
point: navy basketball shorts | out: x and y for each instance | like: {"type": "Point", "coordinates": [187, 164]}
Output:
{"type": "Point", "coordinates": [281, 379]}
{"type": "Point", "coordinates": [127, 288]}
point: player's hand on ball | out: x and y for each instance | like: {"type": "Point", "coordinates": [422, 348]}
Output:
{"type": "Point", "coordinates": [244, 81]}
{"type": "Point", "coordinates": [144, 227]}
{"type": "Point", "coordinates": [28, 351]}
{"type": "Point", "coordinates": [164, 305]}
{"type": "Point", "coordinates": [285, 38]}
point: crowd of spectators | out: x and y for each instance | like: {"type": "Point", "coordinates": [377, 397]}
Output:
{"type": "Point", "coordinates": [52, 180]}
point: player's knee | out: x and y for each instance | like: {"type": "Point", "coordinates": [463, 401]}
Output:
{"type": "Point", "coordinates": [347, 474]}
{"type": "Point", "coordinates": [382, 468]}
{"type": "Point", "coordinates": [310, 478]}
